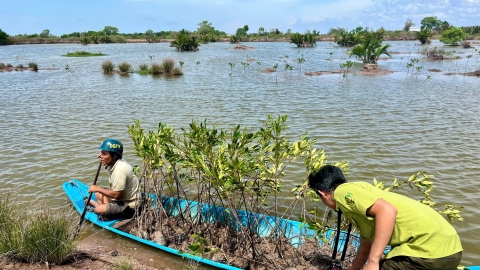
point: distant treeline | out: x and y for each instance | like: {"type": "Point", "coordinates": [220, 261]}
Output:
{"type": "Point", "coordinates": [471, 30]}
{"type": "Point", "coordinates": [207, 33]}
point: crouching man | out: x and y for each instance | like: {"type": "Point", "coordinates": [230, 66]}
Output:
{"type": "Point", "coordinates": [419, 236]}
{"type": "Point", "coordinates": [123, 197]}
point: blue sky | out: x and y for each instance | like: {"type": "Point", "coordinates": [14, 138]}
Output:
{"type": "Point", "coordinates": [129, 16]}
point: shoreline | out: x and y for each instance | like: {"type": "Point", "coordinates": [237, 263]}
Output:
{"type": "Point", "coordinates": [260, 39]}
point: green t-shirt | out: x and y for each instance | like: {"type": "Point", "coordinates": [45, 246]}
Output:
{"type": "Point", "coordinates": [419, 230]}
{"type": "Point", "coordinates": [122, 178]}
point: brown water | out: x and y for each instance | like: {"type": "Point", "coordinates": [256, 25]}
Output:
{"type": "Point", "coordinates": [387, 126]}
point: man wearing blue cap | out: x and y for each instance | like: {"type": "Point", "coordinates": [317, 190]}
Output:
{"type": "Point", "coordinates": [123, 196]}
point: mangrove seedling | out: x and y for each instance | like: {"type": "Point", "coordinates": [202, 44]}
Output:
{"type": "Point", "coordinates": [468, 58]}
{"type": "Point", "coordinates": [275, 69]}
{"type": "Point", "coordinates": [418, 70]}
{"type": "Point", "coordinates": [245, 65]}
{"type": "Point", "coordinates": [198, 63]}
{"type": "Point", "coordinates": [288, 67]}
{"type": "Point", "coordinates": [231, 67]}
{"type": "Point", "coordinates": [67, 68]}
{"type": "Point", "coordinates": [300, 61]}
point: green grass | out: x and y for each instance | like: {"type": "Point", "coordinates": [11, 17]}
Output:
{"type": "Point", "coordinates": [123, 264]}
{"type": "Point", "coordinates": [125, 67]}
{"type": "Point", "coordinates": [157, 69]}
{"type": "Point", "coordinates": [83, 54]}
{"type": "Point", "coordinates": [33, 66]}
{"type": "Point", "coordinates": [35, 235]}
{"type": "Point", "coordinates": [107, 66]}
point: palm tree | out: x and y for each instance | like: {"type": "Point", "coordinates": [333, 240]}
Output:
{"type": "Point", "coordinates": [297, 39]}
{"type": "Point", "coordinates": [307, 40]}
{"type": "Point", "coordinates": [424, 35]}
{"type": "Point", "coordinates": [185, 42]}
{"type": "Point", "coordinates": [369, 51]}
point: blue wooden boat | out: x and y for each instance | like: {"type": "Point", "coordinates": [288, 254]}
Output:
{"type": "Point", "coordinates": [77, 191]}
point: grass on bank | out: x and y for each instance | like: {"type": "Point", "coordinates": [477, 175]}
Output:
{"type": "Point", "coordinates": [125, 264]}
{"type": "Point", "coordinates": [82, 54]}
{"type": "Point", "coordinates": [35, 235]}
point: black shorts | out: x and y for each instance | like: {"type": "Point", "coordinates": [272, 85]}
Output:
{"type": "Point", "coordinates": [412, 263]}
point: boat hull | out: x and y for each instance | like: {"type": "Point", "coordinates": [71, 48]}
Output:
{"type": "Point", "coordinates": [77, 191]}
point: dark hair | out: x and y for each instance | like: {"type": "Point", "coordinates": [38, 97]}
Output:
{"type": "Point", "coordinates": [327, 178]}
{"type": "Point", "coordinates": [115, 156]}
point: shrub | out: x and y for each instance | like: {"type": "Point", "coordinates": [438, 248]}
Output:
{"type": "Point", "coordinates": [47, 237]}
{"type": "Point", "coordinates": [124, 264]}
{"type": "Point", "coordinates": [157, 69]}
{"type": "Point", "coordinates": [453, 36]}
{"type": "Point", "coordinates": [83, 54]}
{"type": "Point", "coordinates": [41, 235]}
{"type": "Point", "coordinates": [20, 66]}
{"type": "Point", "coordinates": [168, 65]}
{"type": "Point", "coordinates": [125, 67]}
{"type": "Point", "coordinates": [33, 66]}
{"type": "Point", "coordinates": [466, 44]}
{"type": "Point", "coordinates": [143, 69]}
{"type": "Point", "coordinates": [107, 66]}
{"type": "Point", "coordinates": [177, 71]}
{"type": "Point", "coordinates": [434, 53]}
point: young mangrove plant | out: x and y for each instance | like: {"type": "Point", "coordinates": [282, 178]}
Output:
{"type": "Point", "coordinates": [468, 58]}
{"type": "Point", "coordinates": [411, 64]}
{"type": "Point", "coordinates": [300, 61]}
{"type": "Point", "coordinates": [242, 171]}
{"type": "Point", "coordinates": [347, 65]}
{"type": "Point", "coordinates": [245, 65]}
{"type": "Point", "coordinates": [275, 70]}
{"type": "Point", "coordinates": [197, 63]}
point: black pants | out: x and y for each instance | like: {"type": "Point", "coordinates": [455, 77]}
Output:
{"type": "Point", "coordinates": [413, 263]}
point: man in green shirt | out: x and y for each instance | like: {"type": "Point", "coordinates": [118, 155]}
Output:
{"type": "Point", "coordinates": [419, 236]}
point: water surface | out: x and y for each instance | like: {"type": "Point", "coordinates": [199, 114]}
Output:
{"type": "Point", "coordinates": [387, 126]}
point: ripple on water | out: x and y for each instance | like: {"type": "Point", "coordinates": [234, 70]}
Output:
{"type": "Point", "coordinates": [387, 126]}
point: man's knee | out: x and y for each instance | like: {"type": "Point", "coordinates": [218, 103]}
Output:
{"type": "Point", "coordinates": [100, 209]}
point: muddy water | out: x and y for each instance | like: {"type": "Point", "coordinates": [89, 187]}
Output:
{"type": "Point", "coordinates": [387, 126]}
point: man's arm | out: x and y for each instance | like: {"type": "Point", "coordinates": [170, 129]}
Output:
{"type": "Point", "coordinates": [107, 192]}
{"type": "Point", "coordinates": [384, 214]}
{"type": "Point", "coordinates": [362, 255]}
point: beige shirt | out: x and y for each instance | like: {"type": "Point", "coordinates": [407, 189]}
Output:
{"type": "Point", "coordinates": [122, 178]}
